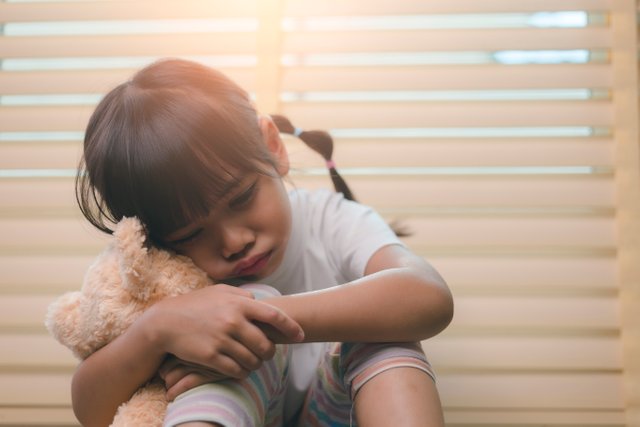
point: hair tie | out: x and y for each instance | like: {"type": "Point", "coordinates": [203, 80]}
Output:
{"type": "Point", "coordinates": [297, 132]}
{"type": "Point", "coordinates": [331, 164]}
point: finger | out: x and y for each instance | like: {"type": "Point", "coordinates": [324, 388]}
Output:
{"type": "Point", "coordinates": [242, 353]}
{"type": "Point", "coordinates": [174, 375]}
{"type": "Point", "coordinates": [253, 339]}
{"type": "Point", "coordinates": [228, 367]}
{"type": "Point", "coordinates": [265, 313]}
{"type": "Point", "coordinates": [169, 363]}
{"type": "Point", "coordinates": [187, 383]}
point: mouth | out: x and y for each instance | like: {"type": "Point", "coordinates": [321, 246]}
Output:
{"type": "Point", "coordinates": [252, 266]}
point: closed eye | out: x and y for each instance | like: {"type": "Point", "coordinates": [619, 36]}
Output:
{"type": "Point", "coordinates": [244, 199]}
{"type": "Point", "coordinates": [186, 239]}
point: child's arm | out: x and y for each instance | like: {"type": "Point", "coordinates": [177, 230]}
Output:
{"type": "Point", "coordinates": [401, 298]}
{"type": "Point", "coordinates": [212, 327]}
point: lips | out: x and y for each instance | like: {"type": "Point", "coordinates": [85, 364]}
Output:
{"type": "Point", "coordinates": [252, 266]}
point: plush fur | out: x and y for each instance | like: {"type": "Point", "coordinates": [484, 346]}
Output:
{"type": "Point", "coordinates": [125, 280]}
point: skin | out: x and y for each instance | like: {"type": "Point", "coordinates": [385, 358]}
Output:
{"type": "Point", "coordinates": [400, 298]}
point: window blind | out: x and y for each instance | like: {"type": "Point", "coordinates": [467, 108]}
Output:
{"type": "Point", "coordinates": [502, 134]}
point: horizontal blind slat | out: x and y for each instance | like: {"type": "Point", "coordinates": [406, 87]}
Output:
{"type": "Point", "coordinates": [546, 314]}
{"type": "Point", "coordinates": [35, 389]}
{"type": "Point", "coordinates": [454, 152]}
{"type": "Point", "coordinates": [399, 7]}
{"type": "Point", "coordinates": [65, 155]}
{"type": "Point", "coordinates": [442, 77]}
{"type": "Point", "coordinates": [125, 10]}
{"type": "Point", "coordinates": [66, 118]}
{"type": "Point", "coordinates": [512, 231]}
{"type": "Point", "coordinates": [459, 114]}
{"type": "Point", "coordinates": [128, 45]}
{"type": "Point", "coordinates": [532, 391]}
{"type": "Point", "coordinates": [456, 417]}
{"type": "Point", "coordinates": [446, 40]}
{"type": "Point", "coordinates": [477, 274]}
{"type": "Point", "coordinates": [524, 353]}
{"type": "Point", "coordinates": [50, 234]}
{"type": "Point", "coordinates": [475, 191]}
{"type": "Point", "coordinates": [34, 415]}
{"type": "Point", "coordinates": [33, 273]}
{"type": "Point", "coordinates": [37, 352]}
{"type": "Point", "coordinates": [87, 81]}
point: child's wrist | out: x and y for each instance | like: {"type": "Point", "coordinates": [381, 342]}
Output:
{"type": "Point", "coordinates": [152, 332]}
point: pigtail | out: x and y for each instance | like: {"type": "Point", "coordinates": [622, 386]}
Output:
{"type": "Point", "coordinates": [322, 143]}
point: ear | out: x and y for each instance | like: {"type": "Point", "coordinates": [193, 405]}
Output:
{"type": "Point", "coordinates": [134, 259]}
{"type": "Point", "coordinates": [271, 137]}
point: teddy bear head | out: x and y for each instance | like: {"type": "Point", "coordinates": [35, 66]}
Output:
{"type": "Point", "coordinates": [125, 280]}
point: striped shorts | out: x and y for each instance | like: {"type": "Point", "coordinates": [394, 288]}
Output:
{"type": "Point", "coordinates": [258, 400]}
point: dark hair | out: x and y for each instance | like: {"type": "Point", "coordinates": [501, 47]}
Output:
{"type": "Point", "coordinates": [164, 146]}
{"type": "Point", "coordinates": [321, 142]}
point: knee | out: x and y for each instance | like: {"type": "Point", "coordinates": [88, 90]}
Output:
{"type": "Point", "coordinates": [198, 424]}
{"type": "Point", "coordinates": [261, 291]}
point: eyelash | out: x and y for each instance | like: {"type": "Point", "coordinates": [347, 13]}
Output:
{"type": "Point", "coordinates": [187, 239]}
{"type": "Point", "coordinates": [241, 201]}
{"type": "Point", "coordinates": [244, 199]}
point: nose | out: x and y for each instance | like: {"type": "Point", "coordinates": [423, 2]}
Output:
{"type": "Point", "coordinates": [237, 241]}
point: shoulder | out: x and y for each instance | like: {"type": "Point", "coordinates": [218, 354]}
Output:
{"type": "Point", "coordinates": [323, 202]}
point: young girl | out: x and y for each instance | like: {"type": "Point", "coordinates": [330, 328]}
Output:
{"type": "Point", "coordinates": [181, 147]}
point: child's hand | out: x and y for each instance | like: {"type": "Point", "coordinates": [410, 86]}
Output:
{"type": "Point", "coordinates": [216, 328]}
{"type": "Point", "coordinates": [180, 376]}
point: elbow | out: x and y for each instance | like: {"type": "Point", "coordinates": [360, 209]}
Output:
{"type": "Point", "coordinates": [445, 315]}
{"type": "Point", "coordinates": [438, 310]}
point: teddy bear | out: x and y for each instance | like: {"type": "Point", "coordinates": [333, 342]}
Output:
{"type": "Point", "coordinates": [125, 280]}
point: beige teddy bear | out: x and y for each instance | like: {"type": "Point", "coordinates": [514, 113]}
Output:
{"type": "Point", "coordinates": [122, 283]}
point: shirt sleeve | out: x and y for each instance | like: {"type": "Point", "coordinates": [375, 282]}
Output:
{"type": "Point", "coordinates": [351, 233]}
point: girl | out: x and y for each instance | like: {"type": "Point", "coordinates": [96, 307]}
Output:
{"type": "Point", "coordinates": [181, 147]}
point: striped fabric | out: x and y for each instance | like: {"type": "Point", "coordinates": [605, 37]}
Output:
{"type": "Point", "coordinates": [255, 401]}
{"type": "Point", "coordinates": [345, 369]}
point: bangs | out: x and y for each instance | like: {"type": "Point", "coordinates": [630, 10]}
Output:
{"type": "Point", "coordinates": [175, 152]}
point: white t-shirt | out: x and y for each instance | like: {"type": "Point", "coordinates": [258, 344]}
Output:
{"type": "Point", "coordinates": [331, 242]}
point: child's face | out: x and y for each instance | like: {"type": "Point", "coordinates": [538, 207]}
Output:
{"type": "Point", "coordinates": [245, 236]}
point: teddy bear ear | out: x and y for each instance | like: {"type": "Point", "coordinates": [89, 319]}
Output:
{"type": "Point", "coordinates": [133, 257]}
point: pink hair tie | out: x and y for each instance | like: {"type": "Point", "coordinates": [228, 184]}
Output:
{"type": "Point", "coordinates": [331, 164]}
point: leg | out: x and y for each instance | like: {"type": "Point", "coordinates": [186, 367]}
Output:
{"type": "Point", "coordinates": [394, 378]}
{"type": "Point", "coordinates": [400, 396]}
{"type": "Point", "coordinates": [255, 401]}
{"type": "Point", "coordinates": [199, 424]}
{"type": "Point", "coordinates": [392, 384]}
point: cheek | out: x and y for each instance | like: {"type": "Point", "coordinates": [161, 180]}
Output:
{"type": "Point", "coordinates": [279, 212]}
{"type": "Point", "coordinates": [201, 255]}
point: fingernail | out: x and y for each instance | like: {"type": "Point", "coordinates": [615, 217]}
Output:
{"type": "Point", "coordinates": [300, 336]}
